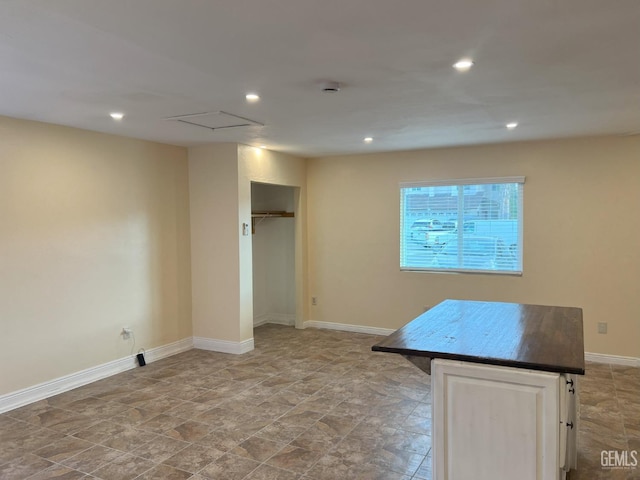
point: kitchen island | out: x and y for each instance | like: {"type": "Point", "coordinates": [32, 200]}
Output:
{"type": "Point", "coordinates": [504, 381]}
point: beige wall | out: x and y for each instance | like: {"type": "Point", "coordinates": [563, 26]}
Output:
{"type": "Point", "coordinates": [581, 234]}
{"type": "Point", "coordinates": [220, 191]}
{"type": "Point", "coordinates": [213, 188]}
{"type": "Point", "coordinates": [94, 236]}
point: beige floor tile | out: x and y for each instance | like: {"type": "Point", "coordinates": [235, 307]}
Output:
{"type": "Point", "coordinates": [267, 472]}
{"type": "Point", "coordinates": [58, 472]}
{"type": "Point", "coordinates": [160, 448]}
{"type": "Point", "coordinates": [164, 472]}
{"type": "Point", "coordinates": [188, 431]}
{"type": "Point", "coordinates": [125, 467]}
{"type": "Point", "coordinates": [229, 467]}
{"type": "Point", "coordinates": [23, 467]}
{"type": "Point", "coordinates": [91, 459]}
{"type": "Point", "coordinates": [257, 448]}
{"type": "Point", "coordinates": [63, 449]}
{"type": "Point", "coordinates": [194, 458]}
{"type": "Point", "coordinates": [294, 459]}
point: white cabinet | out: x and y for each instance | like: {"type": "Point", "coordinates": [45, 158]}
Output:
{"type": "Point", "coordinates": [492, 422]}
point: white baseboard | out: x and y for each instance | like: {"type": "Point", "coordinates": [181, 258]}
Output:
{"type": "Point", "coordinates": [260, 319]}
{"type": "Point", "coordinates": [345, 327]}
{"type": "Point", "coordinates": [612, 359]}
{"type": "Point", "coordinates": [288, 319]}
{"type": "Point", "coordinates": [223, 346]}
{"type": "Point", "coordinates": [58, 385]}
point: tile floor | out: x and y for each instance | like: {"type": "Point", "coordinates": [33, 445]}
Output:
{"type": "Point", "coordinates": [304, 405]}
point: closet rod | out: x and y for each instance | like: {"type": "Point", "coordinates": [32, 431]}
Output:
{"type": "Point", "coordinates": [267, 214]}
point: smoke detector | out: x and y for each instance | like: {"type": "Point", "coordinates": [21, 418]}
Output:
{"type": "Point", "coordinates": [331, 87]}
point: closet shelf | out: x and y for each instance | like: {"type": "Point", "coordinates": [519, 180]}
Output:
{"type": "Point", "coordinates": [261, 215]}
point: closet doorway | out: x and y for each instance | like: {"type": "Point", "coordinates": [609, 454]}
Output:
{"type": "Point", "coordinates": [274, 254]}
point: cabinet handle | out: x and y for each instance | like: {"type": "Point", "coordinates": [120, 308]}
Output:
{"type": "Point", "coordinates": [572, 390]}
{"type": "Point", "coordinates": [570, 425]}
{"type": "Point", "coordinates": [570, 382]}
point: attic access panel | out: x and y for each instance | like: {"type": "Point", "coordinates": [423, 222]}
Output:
{"type": "Point", "coordinates": [215, 120]}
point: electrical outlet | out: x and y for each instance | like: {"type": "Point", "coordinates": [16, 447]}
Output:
{"type": "Point", "coordinates": [314, 300]}
{"type": "Point", "coordinates": [126, 333]}
{"type": "Point", "coordinates": [602, 327]}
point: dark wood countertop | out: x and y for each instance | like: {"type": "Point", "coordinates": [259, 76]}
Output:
{"type": "Point", "coordinates": [536, 337]}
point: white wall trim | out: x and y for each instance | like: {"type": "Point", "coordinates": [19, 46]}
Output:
{"type": "Point", "coordinates": [65, 383]}
{"type": "Point", "coordinates": [164, 351]}
{"type": "Point", "coordinates": [260, 319]}
{"type": "Point", "coordinates": [612, 359]}
{"type": "Point", "coordinates": [345, 327]}
{"type": "Point", "coordinates": [224, 346]}
{"type": "Point", "coordinates": [288, 319]}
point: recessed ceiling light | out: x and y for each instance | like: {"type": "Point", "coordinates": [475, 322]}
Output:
{"type": "Point", "coordinates": [252, 97]}
{"type": "Point", "coordinates": [463, 64]}
{"type": "Point", "coordinates": [368, 139]}
{"type": "Point", "coordinates": [511, 125]}
{"type": "Point", "coordinates": [116, 115]}
{"type": "Point", "coordinates": [263, 146]}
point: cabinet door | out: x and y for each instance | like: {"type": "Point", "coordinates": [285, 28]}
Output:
{"type": "Point", "coordinates": [494, 422]}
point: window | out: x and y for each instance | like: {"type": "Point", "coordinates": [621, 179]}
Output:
{"type": "Point", "coordinates": [471, 225]}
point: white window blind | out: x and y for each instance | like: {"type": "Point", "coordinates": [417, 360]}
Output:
{"type": "Point", "coordinates": [464, 225]}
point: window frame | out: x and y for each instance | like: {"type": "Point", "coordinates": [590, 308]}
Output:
{"type": "Point", "coordinates": [457, 184]}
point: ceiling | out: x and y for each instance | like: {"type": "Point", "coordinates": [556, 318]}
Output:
{"type": "Point", "coordinates": [559, 68]}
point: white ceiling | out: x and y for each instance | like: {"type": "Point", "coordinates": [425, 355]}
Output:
{"type": "Point", "coordinates": [558, 67]}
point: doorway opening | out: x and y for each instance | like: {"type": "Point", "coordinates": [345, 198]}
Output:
{"type": "Point", "coordinates": [274, 254]}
